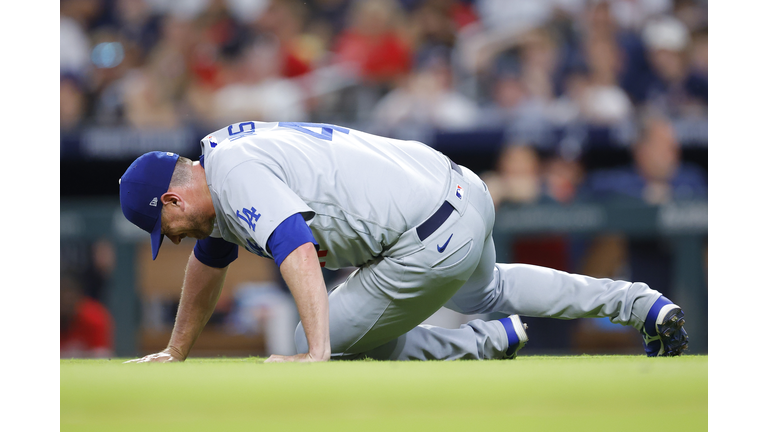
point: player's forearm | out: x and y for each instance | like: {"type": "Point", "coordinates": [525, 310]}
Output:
{"type": "Point", "coordinates": [199, 295]}
{"type": "Point", "coordinates": [301, 271]}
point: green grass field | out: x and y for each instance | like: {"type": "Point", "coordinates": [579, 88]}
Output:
{"type": "Point", "coordinates": [532, 393]}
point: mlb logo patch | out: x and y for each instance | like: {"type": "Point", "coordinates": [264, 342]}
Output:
{"type": "Point", "coordinates": [212, 141]}
{"type": "Point", "coordinates": [459, 191]}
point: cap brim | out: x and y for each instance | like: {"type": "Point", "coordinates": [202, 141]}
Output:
{"type": "Point", "coordinates": [157, 237]}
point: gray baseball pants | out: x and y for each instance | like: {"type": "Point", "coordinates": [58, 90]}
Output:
{"type": "Point", "coordinates": [376, 312]}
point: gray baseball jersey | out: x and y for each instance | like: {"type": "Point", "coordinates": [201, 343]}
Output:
{"type": "Point", "coordinates": [339, 179]}
{"type": "Point", "coordinates": [365, 197]}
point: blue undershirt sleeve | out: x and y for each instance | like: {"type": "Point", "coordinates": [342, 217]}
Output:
{"type": "Point", "coordinates": [289, 235]}
{"type": "Point", "coordinates": [215, 252]}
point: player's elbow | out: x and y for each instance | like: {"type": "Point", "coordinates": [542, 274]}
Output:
{"type": "Point", "coordinates": [304, 255]}
{"type": "Point", "coordinates": [304, 252]}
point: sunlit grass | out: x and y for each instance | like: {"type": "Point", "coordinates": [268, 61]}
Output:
{"type": "Point", "coordinates": [533, 393]}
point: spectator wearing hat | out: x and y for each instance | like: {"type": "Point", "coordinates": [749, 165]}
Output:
{"type": "Point", "coordinates": [673, 89]}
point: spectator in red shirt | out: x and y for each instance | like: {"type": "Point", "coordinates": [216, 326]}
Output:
{"type": "Point", "coordinates": [86, 325]}
{"type": "Point", "coordinates": [372, 43]}
{"type": "Point", "coordinates": [286, 21]}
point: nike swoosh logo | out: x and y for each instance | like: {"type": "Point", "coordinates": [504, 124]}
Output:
{"type": "Point", "coordinates": [441, 249]}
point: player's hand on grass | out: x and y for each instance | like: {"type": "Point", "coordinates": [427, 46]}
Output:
{"type": "Point", "coordinates": [165, 356]}
{"type": "Point", "coordinates": [301, 358]}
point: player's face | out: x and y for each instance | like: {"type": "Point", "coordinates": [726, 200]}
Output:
{"type": "Point", "coordinates": [178, 225]}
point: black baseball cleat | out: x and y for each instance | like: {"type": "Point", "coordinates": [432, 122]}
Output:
{"type": "Point", "coordinates": [516, 335]}
{"type": "Point", "coordinates": [663, 332]}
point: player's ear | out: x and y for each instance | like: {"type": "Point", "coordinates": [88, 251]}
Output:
{"type": "Point", "coordinates": [172, 199]}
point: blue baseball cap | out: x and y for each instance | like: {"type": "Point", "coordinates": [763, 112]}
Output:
{"type": "Point", "coordinates": [141, 187]}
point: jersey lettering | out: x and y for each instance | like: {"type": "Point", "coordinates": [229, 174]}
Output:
{"type": "Point", "coordinates": [250, 217]}
{"type": "Point", "coordinates": [326, 130]}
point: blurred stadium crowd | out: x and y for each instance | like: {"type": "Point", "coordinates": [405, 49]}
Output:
{"type": "Point", "coordinates": [546, 79]}
{"type": "Point", "coordinates": [393, 64]}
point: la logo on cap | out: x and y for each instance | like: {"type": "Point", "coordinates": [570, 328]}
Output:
{"type": "Point", "coordinates": [153, 203]}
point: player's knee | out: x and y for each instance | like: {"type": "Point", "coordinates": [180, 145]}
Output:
{"type": "Point", "coordinates": [300, 339]}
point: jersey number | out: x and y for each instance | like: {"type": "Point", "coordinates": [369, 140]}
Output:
{"type": "Point", "coordinates": [326, 130]}
{"type": "Point", "coordinates": [242, 129]}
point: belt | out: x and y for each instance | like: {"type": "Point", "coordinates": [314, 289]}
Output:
{"type": "Point", "coordinates": [441, 215]}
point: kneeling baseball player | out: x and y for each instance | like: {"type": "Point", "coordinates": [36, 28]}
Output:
{"type": "Point", "coordinates": [415, 225]}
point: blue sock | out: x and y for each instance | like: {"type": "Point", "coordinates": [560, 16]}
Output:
{"type": "Point", "coordinates": [653, 314]}
{"type": "Point", "coordinates": [511, 335]}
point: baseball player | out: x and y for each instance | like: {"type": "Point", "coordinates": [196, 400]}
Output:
{"type": "Point", "coordinates": [415, 225]}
